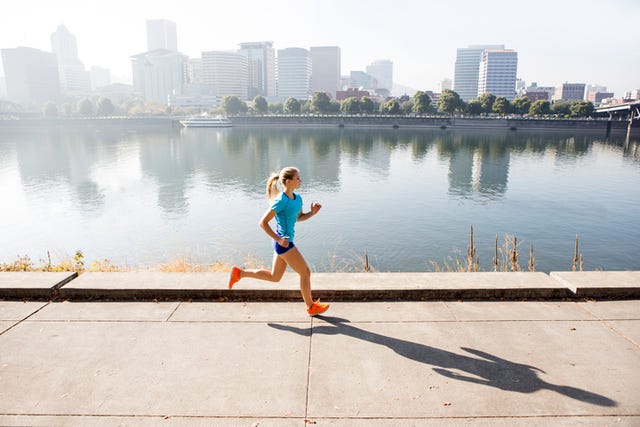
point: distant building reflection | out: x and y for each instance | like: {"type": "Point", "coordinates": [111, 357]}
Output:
{"type": "Point", "coordinates": [87, 162]}
{"type": "Point", "coordinates": [51, 158]}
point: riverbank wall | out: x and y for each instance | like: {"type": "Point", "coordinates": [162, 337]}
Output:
{"type": "Point", "coordinates": [597, 126]}
{"type": "Point", "coordinates": [437, 122]}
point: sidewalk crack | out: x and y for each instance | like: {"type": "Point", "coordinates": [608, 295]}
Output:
{"type": "Point", "coordinates": [306, 405]}
{"type": "Point", "coordinates": [20, 321]}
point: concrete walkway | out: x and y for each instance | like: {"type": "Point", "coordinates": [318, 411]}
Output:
{"type": "Point", "coordinates": [258, 364]}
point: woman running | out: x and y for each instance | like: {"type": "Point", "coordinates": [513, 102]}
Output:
{"type": "Point", "coordinates": [286, 208]}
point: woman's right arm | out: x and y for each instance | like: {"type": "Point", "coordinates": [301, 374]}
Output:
{"type": "Point", "coordinates": [264, 224]}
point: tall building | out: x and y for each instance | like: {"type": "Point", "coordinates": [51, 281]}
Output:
{"type": "Point", "coordinates": [226, 73]}
{"type": "Point", "coordinates": [100, 77]}
{"type": "Point", "coordinates": [261, 63]}
{"type": "Point", "coordinates": [467, 68]}
{"type": "Point", "coordinates": [162, 34]}
{"type": "Point", "coordinates": [569, 92]}
{"type": "Point", "coordinates": [194, 71]}
{"type": "Point", "coordinates": [445, 83]}
{"type": "Point", "coordinates": [325, 69]}
{"type": "Point", "coordinates": [294, 73]}
{"type": "Point", "coordinates": [31, 75]}
{"type": "Point", "coordinates": [497, 73]}
{"type": "Point", "coordinates": [360, 79]}
{"type": "Point", "coordinates": [158, 74]}
{"type": "Point", "coordinates": [261, 68]}
{"type": "Point", "coordinates": [382, 71]}
{"type": "Point", "coordinates": [74, 79]}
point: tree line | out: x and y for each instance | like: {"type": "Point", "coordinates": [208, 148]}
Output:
{"type": "Point", "coordinates": [449, 103]}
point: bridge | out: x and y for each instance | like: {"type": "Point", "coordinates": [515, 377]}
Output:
{"type": "Point", "coordinates": [626, 110]}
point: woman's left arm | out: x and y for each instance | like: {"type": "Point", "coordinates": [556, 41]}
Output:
{"type": "Point", "coordinates": [315, 207]}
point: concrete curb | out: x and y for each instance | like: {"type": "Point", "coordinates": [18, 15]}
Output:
{"type": "Point", "coordinates": [131, 286]}
{"type": "Point", "coordinates": [36, 285]}
{"type": "Point", "coordinates": [600, 284]}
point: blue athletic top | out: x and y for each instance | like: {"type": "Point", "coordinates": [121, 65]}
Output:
{"type": "Point", "coordinates": [287, 211]}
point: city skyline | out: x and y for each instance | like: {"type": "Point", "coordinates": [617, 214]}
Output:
{"type": "Point", "coordinates": [420, 39]}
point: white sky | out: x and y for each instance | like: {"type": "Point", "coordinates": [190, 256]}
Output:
{"type": "Point", "coordinates": [586, 41]}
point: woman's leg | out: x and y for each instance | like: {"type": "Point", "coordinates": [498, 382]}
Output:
{"type": "Point", "coordinates": [278, 268]}
{"type": "Point", "coordinates": [294, 258]}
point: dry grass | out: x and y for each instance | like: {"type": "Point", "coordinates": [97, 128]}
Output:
{"type": "Point", "coordinates": [506, 258]}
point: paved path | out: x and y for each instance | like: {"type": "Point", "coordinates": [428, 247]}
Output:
{"type": "Point", "coordinates": [436, 363]}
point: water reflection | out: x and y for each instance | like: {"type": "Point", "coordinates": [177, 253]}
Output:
{"type": "Point", "coordinates": [181, 182]}
{"type": "Point", "coordinates": [241, 159]}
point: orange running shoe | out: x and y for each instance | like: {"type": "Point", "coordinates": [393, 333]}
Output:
{"type": "Point", "coordinates": [317, 308]}
{"type": "Point", "coordinates": [234, 277]}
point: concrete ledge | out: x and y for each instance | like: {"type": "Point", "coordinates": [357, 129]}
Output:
{"type": "Point", "coordinates": [600, 284]}
{"type": "Point", "coordinates": [331, 286]}
{"type": "Point", "coordinates": [147, 286]}
{"type": "Point", "coordinates": [40, 285]}
{"type": "Point", "coordinates": [436, 286]}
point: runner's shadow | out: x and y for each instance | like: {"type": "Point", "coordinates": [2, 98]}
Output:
{"type": "Point", "coordinates": [484, 368]}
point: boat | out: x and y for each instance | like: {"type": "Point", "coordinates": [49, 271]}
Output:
{"type": "Point", "coordinates": [206, 121]}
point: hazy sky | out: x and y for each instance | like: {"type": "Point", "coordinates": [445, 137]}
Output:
{"type": "Point", "coordinates": [587, 41]}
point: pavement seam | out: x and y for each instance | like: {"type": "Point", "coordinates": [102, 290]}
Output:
{"type": "Point", "coordinates": [174, 311]}
{"type": "Point", "coordinates": [20, 321]}
{"type": "Point", "coordinates": [611, 327]}
{"type": "Point", "coordinates": [308, 388]}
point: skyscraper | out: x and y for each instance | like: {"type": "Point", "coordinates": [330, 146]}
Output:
{"type": "Point", "coordinates": [294, 73]}
{"type": "Point", "coordinates": [261, 63]}
{"type": "Point", "coordinates": [158, 74]}
{"type": "Point", "coordinates": [325, 69]}
{"type": "Point", "coordinates": [382, 71]}
{"type": "Point", "coordinates": [161, 34]}
{"type": "Point", "coordinates": [31, 75]}
{"type": "Point", "coordinates": [467, 68]}
{"type": "Point", "coordinates": [497, 73]}
{"type": "Point", "coordinates": [226, 73]}
{"type": "Point", "coordinates": [74, 79]}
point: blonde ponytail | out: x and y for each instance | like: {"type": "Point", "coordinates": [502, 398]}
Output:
{"type": "Point", "coordinates": [272, 186]}
{"type": "Point", "coordinates": [283, 176]}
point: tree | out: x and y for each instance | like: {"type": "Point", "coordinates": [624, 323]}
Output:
{"type": "Point", "coordinates": [260, 105]}
{"type": "Point", "coordinates": [406, 107]}
{"type": "Point", "coordinates": [581, 109]}
{"type": "Point", "coordinates": [350, 105]}
{"type": "Point", "coordinates": [487, 100]}
{"type": "Point", "coordinates": [421, 102]}
{"type": "Point", "coordinates": [105, 107]}
{"type": "Point", "coordinates": [561, 109]}
{"type": "Point", "coordinates": [320, 103]}
{"type": "Point", "coordinates": [50, 110]}
{"type": "Point", "coordinates": [233, 105]}
{"type": "Point", "coordinates": [276, 108]}
{"type": "Point", "coordinates": [450, 101]}
{"type": "Point", "coordinates": [474, 107]}
{"type": "Point", "coordinates": [292, 106]}
{"type": "Point", "coordinates": [501, 105]}
{"type": "Point", "coordinates": [392, 106]}
{"type": "Point", "coordinates": [540, 108]}
{"type": "Point", "coordinates": [367, 105]}
{"type": "Point", "coordinates": [521, 105]}
{"type": "Point", "coordinates": [85, 107]}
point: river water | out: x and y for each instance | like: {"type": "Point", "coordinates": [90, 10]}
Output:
{"type": "Point", "coordinates": [405, 198]}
